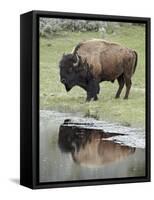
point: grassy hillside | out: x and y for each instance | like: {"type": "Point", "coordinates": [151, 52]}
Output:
{"type": "Point", "coordinates": [54, 97]}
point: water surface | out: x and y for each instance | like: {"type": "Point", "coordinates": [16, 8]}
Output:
{"type": "Point", "coordinates": [75, 148]}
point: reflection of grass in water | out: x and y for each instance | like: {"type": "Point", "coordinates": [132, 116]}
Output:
{"type": "Point", "coordinates": [138, 170]}
{"type": "Point", "coordinates": [54, 96]}
{"type": "Point", "coordinates": [53, 141]}
{"type": "Point", "coordinates": [91, 114]}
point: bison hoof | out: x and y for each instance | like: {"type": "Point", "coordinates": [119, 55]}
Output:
{"type": "Point", "coordinates": [117, 97]}
{"type": "Point", "coordinates": [95, 98]}
{"type": "Point", "coordinates": [88, 99]}
{"type": "Point", "coordinates": [92, 98]}
{"type": "Point", "coordinates": [125, 98]}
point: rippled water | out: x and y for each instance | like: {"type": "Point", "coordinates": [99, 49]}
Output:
{"type": "Point", "coordinates": [82, 149]}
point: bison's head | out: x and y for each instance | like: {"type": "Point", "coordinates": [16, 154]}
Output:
{"type": "Point", "coordinates": [69, 70]}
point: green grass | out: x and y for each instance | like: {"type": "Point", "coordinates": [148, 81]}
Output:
{"type": "Point", "coordinates": [53, 96]}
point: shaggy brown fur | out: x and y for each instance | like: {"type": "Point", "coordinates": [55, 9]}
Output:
{"type": "Point", "coordinates": [109, 61]}
{"type": "Point", "coordinates": [100, 152]}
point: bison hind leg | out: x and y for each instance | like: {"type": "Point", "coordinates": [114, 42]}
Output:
{"type": "Point", "coordinates": [121, 85]}
{"type": "Point", "coordinates": [128, 83]}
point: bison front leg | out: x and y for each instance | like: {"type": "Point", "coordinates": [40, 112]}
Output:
{"type": "Point", "coordinates": [90, 97]}
{"type": "Point", "coordinates": [92, 90]}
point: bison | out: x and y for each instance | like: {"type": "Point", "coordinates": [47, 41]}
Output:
{"type": "Point", "coordinates": [89, 146]}
{"type": "Point", "coordinates": [94, 61]}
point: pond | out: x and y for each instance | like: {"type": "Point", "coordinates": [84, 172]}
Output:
{"type": "Point", "coordinates": [77, 148]}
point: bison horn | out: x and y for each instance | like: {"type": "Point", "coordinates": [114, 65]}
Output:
{"type": "Point", "coordinates": [77, 62]}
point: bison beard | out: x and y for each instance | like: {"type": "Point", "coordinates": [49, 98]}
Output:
{"type": "Point", "coordinates": [67, 88]}
{"type": "Point", "coordinates": [95, 61]}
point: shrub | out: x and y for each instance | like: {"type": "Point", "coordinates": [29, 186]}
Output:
{"type": "Point", "coordinates": [52, 26]}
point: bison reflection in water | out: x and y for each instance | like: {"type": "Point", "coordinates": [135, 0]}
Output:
{"type": "Point", "coordinates": [88, 147]}
{"type": "Point", "coordinates": [94, 61]}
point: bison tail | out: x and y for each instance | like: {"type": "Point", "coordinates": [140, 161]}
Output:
{"type": "Point", "coordinates": [136, 59]}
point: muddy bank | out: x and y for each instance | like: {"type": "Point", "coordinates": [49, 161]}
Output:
{"type": "Point", "coordinates": [134, 137]}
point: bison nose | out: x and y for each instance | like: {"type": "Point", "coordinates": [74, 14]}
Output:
{"type": "Point", "coordinates": [63, 80]}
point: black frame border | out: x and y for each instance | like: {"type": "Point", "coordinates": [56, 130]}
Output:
{"type": "Point", "coordinates": [29, 164]}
